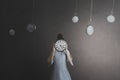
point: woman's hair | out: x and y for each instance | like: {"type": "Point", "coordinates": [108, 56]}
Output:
{"type": "Point", "coordinates": [60, 36]}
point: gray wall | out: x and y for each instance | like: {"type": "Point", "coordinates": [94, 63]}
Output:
{"type": "Point", "coordinates": [24, 56]}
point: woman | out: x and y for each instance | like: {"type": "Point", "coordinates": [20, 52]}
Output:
{"type": "Point", "coordinates": [59, 59]}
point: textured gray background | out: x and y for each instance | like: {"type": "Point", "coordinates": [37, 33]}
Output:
{"type": "Point", "coordinates": [24, 56]}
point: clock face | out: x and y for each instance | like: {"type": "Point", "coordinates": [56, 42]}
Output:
{"type": "Point", "coordinates": [90, 30]}
{"type": "Point", "coordinates": [61, 45]}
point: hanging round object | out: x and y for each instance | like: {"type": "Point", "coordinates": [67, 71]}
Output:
{"type": "Point", "coordinates": [75, 19]}
{"type": "Point", "coordinates": [111, 18]}
{"type": "Point", "coordinates": [90, 30]}
{"type": "Point", "coordinates": [31, 27]}
{"type": "Point", "coordinates": [11, 32]}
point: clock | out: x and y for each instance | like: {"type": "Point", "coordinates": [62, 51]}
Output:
{"type": "Point", "coordinates": [61, 45]}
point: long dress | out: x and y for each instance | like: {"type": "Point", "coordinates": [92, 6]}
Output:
{"type": "Point", "coordinates": [60, 68]}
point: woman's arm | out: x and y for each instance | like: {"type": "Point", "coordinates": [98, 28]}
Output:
{"type": "Point", "coordinates": [50, 58]}
{"type": "Point", "coordinates": [69, 57]}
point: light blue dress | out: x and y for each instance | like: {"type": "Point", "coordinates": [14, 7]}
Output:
{"type": "Point", "coordinates": [60, 67]}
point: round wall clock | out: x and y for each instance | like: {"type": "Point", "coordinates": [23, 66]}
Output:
{"type": "Point", "coordinates": [61, 45]}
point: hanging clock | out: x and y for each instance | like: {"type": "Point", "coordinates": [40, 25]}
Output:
{"type": "Point", "coordinates": [61, 45]}
{"type": "Point", "coordinates": [90, 30]}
